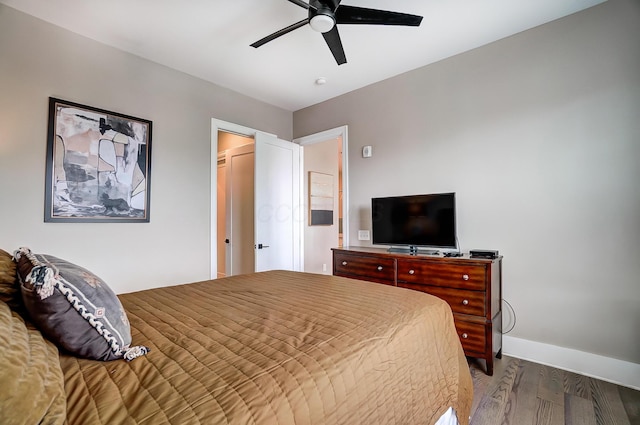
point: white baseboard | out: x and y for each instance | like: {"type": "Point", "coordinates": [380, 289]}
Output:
{"type": "Point", "coordinates": [616, 371]}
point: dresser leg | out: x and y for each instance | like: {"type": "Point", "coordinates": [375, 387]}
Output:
{"type": "Point", "coordinates": [489, 363]}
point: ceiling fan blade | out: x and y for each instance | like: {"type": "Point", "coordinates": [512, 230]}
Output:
{"type": "Point", "coordinates": [331, 4]}
{"type": "Point", "coordinates": [300, 3]}
{"type": "Point", "coordinates": [280, 33]}
{"type": "Point", "coordinates": [361, 15]}
{"type": "Point", "coordinates": [335, 45]}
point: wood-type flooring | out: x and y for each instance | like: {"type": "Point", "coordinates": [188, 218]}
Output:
{"type": "Point", "coordinates": [525, 393]}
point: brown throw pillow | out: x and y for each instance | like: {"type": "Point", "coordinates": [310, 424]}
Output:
{"type": "Point", "coordinates": [74, 308]}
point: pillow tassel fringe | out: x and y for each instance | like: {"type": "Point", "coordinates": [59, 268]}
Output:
{"type": "Point", "coordinates": [42, 277]}
{"type": "Point", "coordinates": [134, 352]}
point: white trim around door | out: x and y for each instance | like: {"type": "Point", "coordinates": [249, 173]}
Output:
{"type": "Point", "coordinates": [323, 136]}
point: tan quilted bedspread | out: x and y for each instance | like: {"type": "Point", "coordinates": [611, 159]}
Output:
{"type": "Point", "coordinates": [278, 348]}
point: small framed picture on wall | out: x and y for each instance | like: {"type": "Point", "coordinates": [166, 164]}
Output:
{"type": "Point", "coordinates": [320, 199]}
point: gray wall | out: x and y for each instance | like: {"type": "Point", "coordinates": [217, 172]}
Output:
{"type": "Point", "coordinates": [38, 60]}
{"type": "Point", "coordinates": [539, 136]}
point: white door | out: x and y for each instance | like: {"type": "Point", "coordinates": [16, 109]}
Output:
{"type": "Point", "coordinates": [278, 236]}
{"type": "Point", "coordinates": [239, 201]}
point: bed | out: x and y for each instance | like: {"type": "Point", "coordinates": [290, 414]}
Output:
{"type": "Point", "coordinates": [275, 347]}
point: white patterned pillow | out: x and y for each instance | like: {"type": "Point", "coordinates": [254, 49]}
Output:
{"type": "Point", "coordinates": [74, 308]}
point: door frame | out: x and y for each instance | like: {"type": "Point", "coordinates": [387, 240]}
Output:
{"type": "Point", "coordinates": [216, 126]}
{"type": "Point", "coordinates": [220, 125]}
{"type": "Point", "coordinates": [324, 136]}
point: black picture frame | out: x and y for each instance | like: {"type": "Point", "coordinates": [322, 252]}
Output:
{"type": "Point", "coordinates": [98, 167]}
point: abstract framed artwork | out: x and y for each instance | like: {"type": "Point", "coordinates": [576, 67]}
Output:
{"type": "Point", "coordinates": [320, 199]}
{"type": "Point", "coordinates": [98, 165]}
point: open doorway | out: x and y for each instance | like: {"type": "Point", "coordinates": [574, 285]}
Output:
{"type": "Point", "coordinates": [277, 238]}
{"type": "Point", "coordinates": [325, 154]}
{"type": "Point", "coordinates": [235, 196]}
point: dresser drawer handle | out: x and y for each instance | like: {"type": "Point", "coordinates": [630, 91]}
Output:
{"type": "Point", "coordinates": [465, 302]}
{"type": "Point", "coordinates": [465, 277]}
{"type": "Point", "coordinates": [464, 336]}
{"type": "Point", "coordinates": [344, 263]}
{"type": "Point", "coordinates": [379, 268]}
{"type": "Point", "coordinates": [412, 271]}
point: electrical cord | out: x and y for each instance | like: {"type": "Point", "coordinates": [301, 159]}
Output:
{"type": "Point", "coordinates": [513, 314]}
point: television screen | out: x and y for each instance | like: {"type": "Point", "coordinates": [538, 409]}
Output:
{"type": "Point", "coordinates": [415, 220]}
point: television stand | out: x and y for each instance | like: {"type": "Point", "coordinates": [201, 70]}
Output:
{"type": "Point", "coordinates": [412, 250]}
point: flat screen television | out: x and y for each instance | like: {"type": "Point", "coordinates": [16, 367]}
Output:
{"type": "Point", "coordinates": [415, 221]}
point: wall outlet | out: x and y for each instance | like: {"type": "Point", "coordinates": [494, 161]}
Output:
{"type": "Point", "coordinates": [363, 235]}
{"type": "Point", "coordinates": [324, 267]}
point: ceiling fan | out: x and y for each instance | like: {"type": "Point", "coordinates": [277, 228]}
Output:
{"type": "Point", "coordinates": [324, 15]}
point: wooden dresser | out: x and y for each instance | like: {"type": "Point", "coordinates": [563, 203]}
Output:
{"type": "Point", "coordinates": [471, 286]}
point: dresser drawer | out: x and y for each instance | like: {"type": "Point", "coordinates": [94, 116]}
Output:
{"type": "Point", "coordinates": [439, 274]}
{"type": "Point", "coordinates": [381, 270]}
{"type": "Point", "coordinates": [461, 300]}
{"type": "Point", "coordinates": [472, 336]}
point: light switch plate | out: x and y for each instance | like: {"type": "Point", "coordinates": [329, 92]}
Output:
{"type": "Point", "coordinates": [363, 235]}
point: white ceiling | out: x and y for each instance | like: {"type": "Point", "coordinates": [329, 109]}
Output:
{"type": "Point", "coordinates": [210, 38]}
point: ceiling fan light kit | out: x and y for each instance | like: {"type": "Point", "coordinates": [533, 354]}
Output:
{"type": "Point", "coordinates": [325, 16]}
{"type": "Point", "coordinates": [322, 23]}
